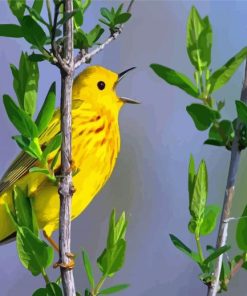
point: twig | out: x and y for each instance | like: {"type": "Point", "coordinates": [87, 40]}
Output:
{"type": "Point", "coordinates": [237, 267]}
{"type": "Point", "coordinates": [65, 185]}
{"type": "Point", "coordinates": [59, 61]}
{"type": "Point", "coordinates": [83, 58]}
{"type": "Point", "coordinates": [230, 187]}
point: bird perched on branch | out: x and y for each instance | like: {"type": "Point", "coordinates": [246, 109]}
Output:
{"type": "Point", "coordinates": [95, 147]}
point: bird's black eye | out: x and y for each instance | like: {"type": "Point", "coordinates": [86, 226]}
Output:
{"type": "Point", "coordinates": [101, 85]}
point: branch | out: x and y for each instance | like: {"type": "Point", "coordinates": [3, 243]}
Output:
{"type": "Point", "coordinates": [65, 189]}
{"type": "Point", "coordinates": [58, 61]}
{"type": "Point", "coordinates": [229, 193]}
{"type": "Point", "coordinates": [82, 58]}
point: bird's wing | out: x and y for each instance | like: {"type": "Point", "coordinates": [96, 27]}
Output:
{"type": "Point", "coordinates": [23, 162]}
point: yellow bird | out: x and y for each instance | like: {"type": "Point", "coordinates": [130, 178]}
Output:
{"type": "Point", "coordinates": [95, 147]}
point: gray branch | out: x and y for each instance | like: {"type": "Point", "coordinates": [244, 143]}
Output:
{"type": "Point", "coordinates": [67, 65]}
{"type": "Point", "coordinates": [229, 193]}
{"type": "Point", "coordinates": [65, 186]}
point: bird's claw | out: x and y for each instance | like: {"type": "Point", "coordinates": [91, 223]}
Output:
{"type": "Point", "coordinates": [70, 265]}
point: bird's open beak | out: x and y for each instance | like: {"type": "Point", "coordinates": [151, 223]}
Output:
{"type": "Point", "coordinates": [120, 77]}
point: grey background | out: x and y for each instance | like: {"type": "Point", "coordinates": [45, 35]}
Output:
{"type": "Point", "coordinates": [150, 179]}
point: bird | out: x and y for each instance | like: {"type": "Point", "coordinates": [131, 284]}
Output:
{"type": "Point", "coordinates": [95, 147]}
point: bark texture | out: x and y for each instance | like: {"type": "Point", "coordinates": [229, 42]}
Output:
{"type": "Point", "coordinates": [66, 186]}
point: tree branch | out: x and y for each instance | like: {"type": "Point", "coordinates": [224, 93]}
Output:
{"type": "Point", "coordinates": [65, 186]}
{"type": "Point", "coordinates": [82, 57]}
{"type": "Point", "coordinates": [58, 60]}
{"type": "Point", "coordinates": [229, 193]}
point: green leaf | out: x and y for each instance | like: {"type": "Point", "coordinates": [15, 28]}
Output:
{"type": "Point", "coordinates": [216, 254]}
{"type": "Point", "coordinates": [11, 30]}
{"type": "Point", "coordinates": [94, 35]}
{"type": "Point", "coordinates": [191, 178]}
{"type": "Point", "coordinates": [195, 27]}
{"type": "Point", "coordinates": [214, 142]}
{"type": "Point", "coordinates": [104, 22]}
{"type": "Point", "coordinates": [120, 228]}
{"type": "Point", "coordinates": [183, 248]}
{"type": "Point", "coordinates": [88, 268]}
{"type": "Point", "coordinates": [53, 145]}
{"type": "Point", "coordinates": [46, 113]}
{"type": "Point", "coordinates": [87, 293]}
{"type": "Point", "coordinates": [224, 74]}
{"type": "Point", "coordinates": [220, 105]}
{"type": "Point", "coordinates": [202, 115]}
{"type": "Point", "coordinates": [33, 32]}
{"type": "Point", "coordinates": [119, 10]}
{"type": "Point", "coordinates": [200, 192]}
{"type": "Point", "coordinates": [192, 225]}
{"type": "Point", "coordinates": [114, 289]}
{"type": "Point", "coordinates": [111, 229]}
{"type": "Point", "coordinates": [122, 18]}
{"type": "Point", "coordinates": [35, 227]}
{"type": "Point", "coordinates": [78, 18]}
{"type": "Point", "coordinates": [53, 290]}
{"type": "Point", "coordinates": [39, 170]}
{"type": "Point", "coordinates": [23, 208]}
{"type": "Point", "coordinates": [210, 219]}
{"type": "Point", "coordinates": [241, 231]}
{"type": "Point", "coordinates": [12, 215]}
{"type": "Point", "coordinates": [107, 14]}
{"type": "Point", "coordinates": [35, 255]}
{"type": "Point", "coordinates": [37, 57]}
{"type": "Point", "coordinates": [22, 122]}
{"type": "Point", "coordinates": [112, 259]}
{"type": "Point", "coordinates": [31, 147]}
{"type": "Point", "coordinates": [81, 7]}
{"type": "Point", "coordinates": [221, 134]}
{"type": "Point", "coordinates": [176, 78]}
{"type": "Point", "coordinates": [37, 17]}
{"type": "Point", "coordinates": [80, 39]}
{"type": "Point", "coordinates": [17, 8]}
{"type": "Point", "coordinates": [55, 159]}
{"type": "Point", "coordinates": [224, 132]}
{"type": "Point", "coordinates": [205, 43]}
{"type": "Point", "coordinates": [116, 230]}
{"type": "Point", "coordinates": [38, 5]}
{"type": "Point", "coordinates": [25, 83]}
{"type": "Point", "coordinates": [31, 86]}
{"type": "Point", "coordinates": [242, 111]}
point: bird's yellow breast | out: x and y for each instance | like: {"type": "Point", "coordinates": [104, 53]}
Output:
{"type": "Point", "coordinates": [95, 146]}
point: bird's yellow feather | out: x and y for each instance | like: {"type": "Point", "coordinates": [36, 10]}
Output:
{"type": "Point", "coordinates": [95, 146]}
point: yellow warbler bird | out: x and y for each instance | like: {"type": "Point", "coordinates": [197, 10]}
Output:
{"type": "Point", "coordinates": [95, 146]}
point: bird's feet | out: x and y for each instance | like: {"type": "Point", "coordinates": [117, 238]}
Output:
{"type": "Point", "coordinates": [70, 265]}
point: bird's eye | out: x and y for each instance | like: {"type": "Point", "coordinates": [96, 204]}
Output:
{"type": "Point", "coordinates": [101, 85]}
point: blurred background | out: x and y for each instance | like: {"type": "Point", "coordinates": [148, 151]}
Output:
{"type": "Point", "coordinates": [150, 179]}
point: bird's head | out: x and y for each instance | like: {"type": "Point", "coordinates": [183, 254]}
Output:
{"type": "Point", "coordinates": [97, 85]}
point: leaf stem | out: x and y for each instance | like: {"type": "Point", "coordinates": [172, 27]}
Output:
{"type": "Point", "coordinates": [99, 285]}
{"type": "Point", "coordinates": [201, 81]}
{"type": "Point", "coordinates": [199, 247]}
{"type": "Point", "coordinates": [45, 276]}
